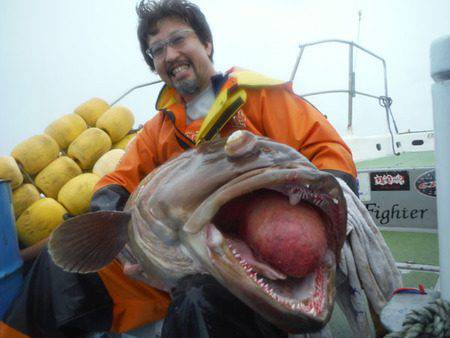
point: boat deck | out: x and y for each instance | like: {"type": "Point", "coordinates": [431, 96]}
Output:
{"type": "Point", "coordinates": [407, 247]}
{"type": "Point", "coordinates": [415, 248]}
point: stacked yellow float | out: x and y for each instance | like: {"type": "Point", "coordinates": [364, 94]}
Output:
{"type": "Point", "coordinates": [54, 174]}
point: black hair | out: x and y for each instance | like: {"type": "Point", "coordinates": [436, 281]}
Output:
{"type": "Point", "coordinates": [151, 12]}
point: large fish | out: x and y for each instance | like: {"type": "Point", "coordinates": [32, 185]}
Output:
{"type": "Point", "coordinates": [253, 213]}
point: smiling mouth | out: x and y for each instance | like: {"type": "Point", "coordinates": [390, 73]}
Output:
{"type": "Point", "coordinates": [177, 69]}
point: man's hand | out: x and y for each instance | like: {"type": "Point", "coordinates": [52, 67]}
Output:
{"type": "Point", "coordinates": [132, 270]}
{"type": "Point", "coordinates": [33, 251]}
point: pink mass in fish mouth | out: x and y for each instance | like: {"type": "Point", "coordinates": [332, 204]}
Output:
{"type": "Point", "coordinates": [278, 238]}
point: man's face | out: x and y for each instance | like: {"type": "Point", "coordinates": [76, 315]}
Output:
{"type": "Point", "coordinates": [187, 66]}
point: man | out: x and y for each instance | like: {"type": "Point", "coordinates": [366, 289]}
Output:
{"type": "Point", "coordinates": [195, 105]}
{"type": "Point", "coordinates": [176, 42]}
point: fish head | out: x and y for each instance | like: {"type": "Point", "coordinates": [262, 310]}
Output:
{"type": "Point", "coordinates": [179, 227]}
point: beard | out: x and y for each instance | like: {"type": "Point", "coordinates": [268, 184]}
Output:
{"type": "Point", "coordinates": [187, 87]}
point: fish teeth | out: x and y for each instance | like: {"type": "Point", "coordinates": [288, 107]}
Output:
{"type": "Point", "coordinates": [294, 199]}
{"type": "Point", "coordinates": [261, 282]}
{"type": "Point", "coordinates": [216, 238]}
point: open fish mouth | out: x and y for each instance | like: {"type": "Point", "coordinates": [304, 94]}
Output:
{"type": "Point", "coordinates": [294, 303]}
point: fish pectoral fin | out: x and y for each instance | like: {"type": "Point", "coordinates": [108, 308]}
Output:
{"type": "Point", "coordinates": [89, 242]}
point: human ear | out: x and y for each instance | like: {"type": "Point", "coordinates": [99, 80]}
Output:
{"type": "Point", "coordinates": [209, 48]}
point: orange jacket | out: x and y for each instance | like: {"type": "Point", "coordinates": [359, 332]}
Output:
{"type": "Point", "coordinates": [246, 101]}
{"type": "Point", "coordinates": [272, 110]}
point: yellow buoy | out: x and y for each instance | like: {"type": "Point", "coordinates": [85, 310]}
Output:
{"type": "Point", "coordinates": [117, 122]}
{"type": "Point", "coordinates": [108, 162]}
{"type": "Point", "coordinates": [51, 179]}
{"type": "Point", "coordinates": [39, 220]}
{"type": "Point", "coordinates": [23, 197]}
{"type": "Point", "coordinates": [123, 143]}
{"type": "Point", "coordinates": [91, 110]}
{"type": "Point", "coordinates": [87, 148]}
{"type": "Point", "coordinates": [36, 153]}
{"type": "Point", "coordinates": [76, 194]}
{"type": "Point", "coordinates": [9, 170]}
{"type": "Point", "coordinates": [66, 129]}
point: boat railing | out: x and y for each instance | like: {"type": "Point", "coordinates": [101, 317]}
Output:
{"type": "Point", "coordinates": [134, 88]}
{"type": "Point", "coordinates": [384, 100]}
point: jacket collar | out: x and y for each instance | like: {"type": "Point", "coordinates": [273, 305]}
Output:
{"type": "Point", "coordinates": [169, 96]}
{"type": "Point", "coordinates": [236, 76]}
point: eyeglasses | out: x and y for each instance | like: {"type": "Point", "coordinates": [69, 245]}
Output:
{"type": "Point", "coordinates": [176, 40]}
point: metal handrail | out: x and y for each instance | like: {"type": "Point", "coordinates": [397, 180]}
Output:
{"type": "Point", "coordinates": [351, 88]}
{"type": "Point", "coordinates": [351, 45]}
{"type": "Point", "coordinates": [384, 100]}
{"type": "Point", "coordinates": [132, 89]}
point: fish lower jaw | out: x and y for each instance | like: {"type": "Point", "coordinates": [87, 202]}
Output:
{"type": "Point", "coordinates": [309, 297]}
